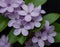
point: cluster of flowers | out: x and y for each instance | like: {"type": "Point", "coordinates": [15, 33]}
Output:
{"type": "Point", "coordinates": [23, 17]}
{"type": "Point", "coordinates": [4, 41]}
{"type": "Point", "coordinates": [46, 36]}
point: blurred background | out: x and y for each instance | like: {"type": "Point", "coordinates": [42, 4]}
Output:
{"type": "Point", "coordinates": [51, 6]}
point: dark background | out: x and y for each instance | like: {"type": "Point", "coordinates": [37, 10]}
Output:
{"type": "Point", "coordinates": [51, 6]}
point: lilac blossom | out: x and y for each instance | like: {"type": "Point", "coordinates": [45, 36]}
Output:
{"type": "Point", "coordinates": [9, 5]}
{"type": "Point", "coordinates": [47, 34]}
{"type": "Point", "coordinates": [36, 22]}
{"type": "Point", "coordinates": [38, 39]}
{"type": "Point", "coordinates": [30, 44]}
{"type": "Point", "coordinates": [21, 26]}
{"type": "Point", "coordinates": [29, 12]}
{"type": "Point", "coordinates": [25, 19]}
{"type": "Point", "coordinates": [50, 33]}
{"type": "Point", "coordinates": [4, 41]}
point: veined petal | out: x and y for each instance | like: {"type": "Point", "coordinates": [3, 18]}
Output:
{"type": "Point", "coordinates": [34, 40]}
{"type": "Point", "coordinates": [20, 1]}
{"type": "Point", "coordinates": [31, 7]}
{"type": "Point", "coordinates": [3, 10]}
{"type": "Point", "coordinates": [38, 9]}
{"type": "Point", "coordinates": [11, 22]}
{"type": "Point", "coordinates": [2, 4]}
{"type": "Point", "coordinates": [25, 7]}
{"type": "Point", "coordinates": [39, 18]}
{"type": "Point", "coordinates": [17, 31]}
{"type": "Point", "coordinates": [27, 27]}
{"type": "Point", "coordinates": [15, 5]}
{"type": "Point", "coordinates": [16, 25]}
{"type": "Point", "coordinates": [44, 37]}
{"type": "Point", "coordinates": [37, 24]}
{"type": "Point", "coordinates": [23, 13]}
{"type": "Point", "coordinates": [50, 39]}
{"type": "Point", "coordinates": [10, 9]}
{"type": "Point", "coordinates": [53, 34]}
{"type": "Point", "coordinates": [41, 43]}
{"type": "Point", "coordinates": [25, 32]}
{"type": "Point", "coordinates": [34, 14]}
{"type": "Point", "coordinates": [32, 25]}
{"type": "Point", "coordinates": [47, 25]}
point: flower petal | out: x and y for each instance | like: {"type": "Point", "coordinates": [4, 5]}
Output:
{"type": "Point", "coordinates": [43, 12]}
{"type": "Point", "coordinates": [34, 40]}
{"type": "Point", "coordinates": [23, 13]}
{"type": "Point", "coordinates": [53, 34]}
{"type": "Point", "coordinates": [39, 18]}
{"type": "Point", "coordinates": [4, 39]}
{"type": "Point", "coordinates": [28, 27]}
{"type": "Point", "coordinates": [31, 7]}
{"type": "Point", "coordinates": [3, 4]}
{"type": "Point", "coordinates": [11, 22]}
{"type": "Point", "coordinates": [15, 5]}
{"type": "Point", "coordinates": [24, 32]}
{"type": "Point", "coordinates": [1, 42]}
{"type": "Point", "coordinates": [17, 31]}
{"type": "Point", "coordinates": [10, 9]}
{"type": "Point", "coordinates": [44, 36]}
{"type": "Point", "coordinates": [34, 14]}
{"type": "Point", "coordinates": [38, 9]}
{"type": "Point", "coordinates": [50, 39]}
{"type": "Point", "coordinates": [3, 10]}
{"type": "Point", "coordinates": [37, 24]}
{"type": "Point", "coordinates": [25, 7]}
{"type": "Point", "coordinates": [41, 43]}
{"type": "Point", "coordinates": [47, 25]}
{"type": "Point", "coordinates": [28, 18]}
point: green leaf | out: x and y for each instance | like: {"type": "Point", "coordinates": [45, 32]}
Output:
{"type": "Point", "coordinates": [28, 1]}
{"type": "Point", "coordinates": [57, 29]}
{"type": "Point", "coordinates": [22, 39]}
{"type": "Point", "coordinates": [37, 29]}
{"type": "Point", "coordinates": [11, 37]}
{"type": "Point", "coordinates": [3, 23]}
{"type": "Point", "coordinates": [52, 17]}
{"type": "Point", "coordinates": [35, 2]}
{"type": "Point", "coordinates": [39, 2]}
{"type": "Point", "coordinates": [57, 38]}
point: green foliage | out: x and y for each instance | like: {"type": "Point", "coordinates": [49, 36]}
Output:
{"type": "Point", "coordinates": [52, 17]}
{"type": "Point", "coordinates": [57, 29]}
{"type": "Point", "coordinates": [3, 23]}
{"type": "Point", "coordinates": [11, 37]}
{"type": "Point", "coordinates": [22, 39]}
{"type": "Point", "coordinates": [35, 2]}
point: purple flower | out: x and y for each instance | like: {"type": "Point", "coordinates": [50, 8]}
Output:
{"type": "Point", "coordinates": [18, 19]}
{"type": "Point", "coordinates": [38, 39]}
{"type": "Point", "coordinates": [30, 44]}
{"type": "Point", "coordinates": [36, 21]}
{"type": "Point", "coordinates": [50, 33]}
{"type": "Point", "coordinates": [4, 41]}
{"type": "Point", "coordinates": [30, 12]}
{"type": "Point", "coordinates": [9, 5]}
{"type": "Point", "coordinates": [21, 30]}
{"type": "Point", "coordinates": [47, 34]}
